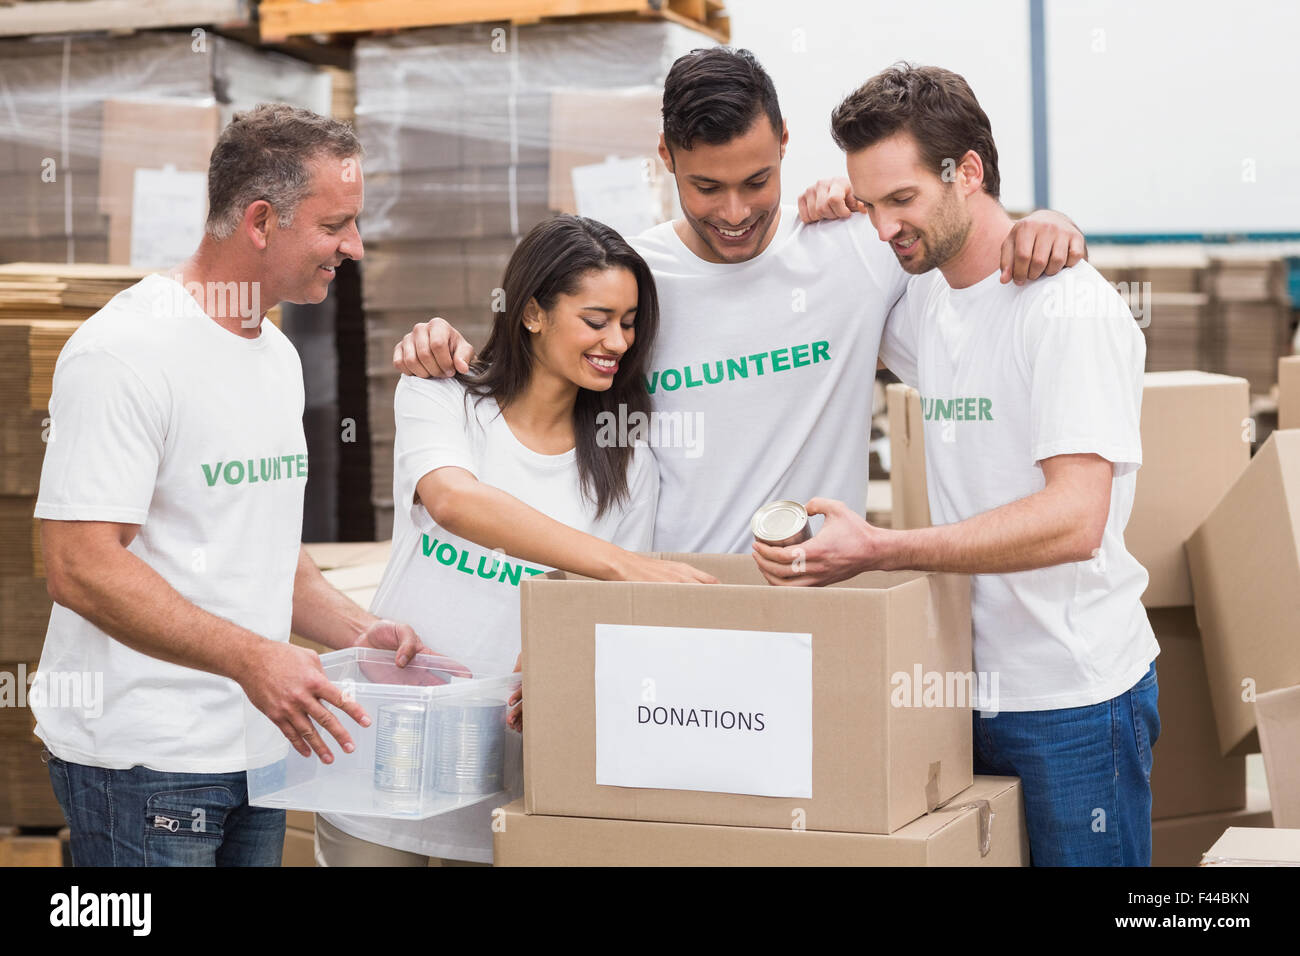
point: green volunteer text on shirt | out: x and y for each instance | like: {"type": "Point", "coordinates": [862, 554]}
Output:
{"type": "Point", "coordinates": [957, 409]}
{"type": "Point", "coordinates": [252, 470]}
{"type": "Point", "coordinates": [742, 366]}
{"type": "Point", "coordinates": [491, 566]}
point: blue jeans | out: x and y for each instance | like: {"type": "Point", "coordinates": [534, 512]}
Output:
{"type": "Point", "coordinates": [142, 817]}
{"type": "Point", "coordinates": [1086, 774]}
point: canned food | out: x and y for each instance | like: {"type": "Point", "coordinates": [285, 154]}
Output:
{"type": "Point", "coordinates": [399, 748]}
{"type": "Point", "coordinates": [471, 746]}
{"type": "Point", "coordinates": [781, 523]}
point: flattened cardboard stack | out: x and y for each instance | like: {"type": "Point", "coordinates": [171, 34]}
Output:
{"type": "Point", "coordinates": [1252, 314]}
{"type": "Point", "coordinates": [891, 783]}
{"type": "Point", "coordinates": [41, 306]}
{"type": "Point", "coordinates": [471, 138]}
{"type": "Point", "coordinates": [83, 114]}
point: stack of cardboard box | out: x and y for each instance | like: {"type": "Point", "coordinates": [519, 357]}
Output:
{"type": "Point", "coordinates": [1252, 314]}
{"type": "Point", "coordinates": [869, 750]}
{"type": "Point", "coordinates": [472, 135]}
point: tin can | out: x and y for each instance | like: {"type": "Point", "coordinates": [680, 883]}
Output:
{"type": "Point", "coordinates": [781, 523]}
{"type": "Point", "coordinates": [399, 748]}
{"type": "Point", "coordinates": [470, 754]}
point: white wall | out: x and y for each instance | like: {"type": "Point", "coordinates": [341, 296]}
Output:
{"type": "Point", "coordinates": [1157, 108]}
{"type": "Point", "coordinates": [1151, 121]}
{"type": "Point", "coordinates": [819, 51]}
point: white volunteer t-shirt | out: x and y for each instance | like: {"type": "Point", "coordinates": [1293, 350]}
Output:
{"type": "Point", "coordinates": [1010, 375]}
{"type": "Point", "coordinates": [163, 419]}
{"type": "Point", "coordinates": [461, 598]}
{"type": "Point", "coordinates": [761, 375]}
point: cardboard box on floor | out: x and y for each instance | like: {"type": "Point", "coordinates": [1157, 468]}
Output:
{"type": "Point", "coordinates": [1193, 449]}
{"type": "Point", "coordinates": [1278, 713]}
{"type": "Point", "coordinates": [983, 825]}
{"type": "Point", "coordinates": [299, 848]}
{"type": "Point", "coordinates": [1245, 564]}
{"type": "Point", "coordinates": [1182, 841]}
{"type": "Point", "coordinates": [1188, 775]}
{"type": "Point", "coordinates": [1288, 392]}
{"type": "Point", "coordinates": [875, 767]}
{"type": "Point", "coordinates": [1255, 846]}
{"type": "Point", "coordinates": [907, 485]}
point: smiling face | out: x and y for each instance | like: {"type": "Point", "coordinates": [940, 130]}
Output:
{"type": "Point", "coordinates": [730, 194]}
{"type": "Point", "coordinates": [924, 219]}
{"type": "Point", "coordinates": [582, 337]}
{"type": "Point", "coordinates": [302, 256]}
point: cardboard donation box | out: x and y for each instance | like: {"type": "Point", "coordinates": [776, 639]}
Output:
{"type": "Point", "coordinates": [1278, 712]}
{"type": "Point", "coordinates": [1188, 775]}
{"type": "Point", "coordinates": [1255, 846]}
{"type": "Point", "coordinates": [741, 704]}
{"type": "Point", "coordinates": [1245, 563]}
{"type": "Point", "coordinates": [1192, 451]}
{"type": "Point", "coordinates": [984, 825]}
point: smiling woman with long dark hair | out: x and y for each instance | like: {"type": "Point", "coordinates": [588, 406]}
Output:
{"type": "Point", "coordinates": [501, 472]}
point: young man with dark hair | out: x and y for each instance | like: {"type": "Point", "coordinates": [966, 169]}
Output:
{"type": "Point", "coordinates": [769, 328]}
{"type": "Point", "coordinates": [171, 519]}
{"type": "Point", "coordinates": [1031, 399]}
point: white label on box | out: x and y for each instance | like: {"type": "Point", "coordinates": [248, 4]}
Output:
{"type": "Point", "coordinates": [618, 192]}
{"type": "Point", "coordinates": [167, 211]}
{"type": "Point", "coordinates": [692, 708]}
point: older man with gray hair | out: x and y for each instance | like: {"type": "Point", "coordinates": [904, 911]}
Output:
{"type": "Point", "coordinates": [171, 518]}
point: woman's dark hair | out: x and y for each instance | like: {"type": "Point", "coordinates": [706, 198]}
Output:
{"type": "Point", "coordinates": [551, 261]}
{"type": "Point", "coordinates": [714, 95]}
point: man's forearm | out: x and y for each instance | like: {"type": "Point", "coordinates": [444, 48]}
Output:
{"type": "Point", "coordinates": [131, 602]}
{"type": "Point", "coordinates": [323, 614]}
{"type": "Point", "coordinates": [1034, 532]}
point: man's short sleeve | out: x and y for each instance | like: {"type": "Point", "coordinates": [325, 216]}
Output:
{"type": "Point", "coordinates": [432, 419]}
{"type": "Point", "coordinates": [898, 342]}
{"type": "Point", "coordinates": [105, 444]}
{"type": "Point", "coordinates": [1085, 367]}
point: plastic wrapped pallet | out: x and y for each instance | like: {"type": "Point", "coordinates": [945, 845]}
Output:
{"type": "Point", "coordinates": [473, 135]}
{"type": "Point", "coordinates": [67, 161]}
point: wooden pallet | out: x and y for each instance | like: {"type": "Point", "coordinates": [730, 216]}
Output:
{"type": "Point", "coordinates": [62, 16]}
{"type": "Point", "coordinates": [19, 847]}
{"type": "Point", "coordinates": [280, 19]}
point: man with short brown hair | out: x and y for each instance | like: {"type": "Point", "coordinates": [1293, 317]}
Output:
{"type": "Point", "coordinates": [171, 506]}
{"type": "Point", "coordinates": [1031, 399]}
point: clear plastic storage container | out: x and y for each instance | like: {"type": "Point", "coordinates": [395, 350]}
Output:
{"type": "Point", "coordinates": [437, 740]}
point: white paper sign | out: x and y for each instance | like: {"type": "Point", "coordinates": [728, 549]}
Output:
{"type": "Point", "coordinates": [618, 192]}
{"type": "Point", "coordinates": [167, 211]}
{"type": "Point", "coordinates": [687, 708]}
